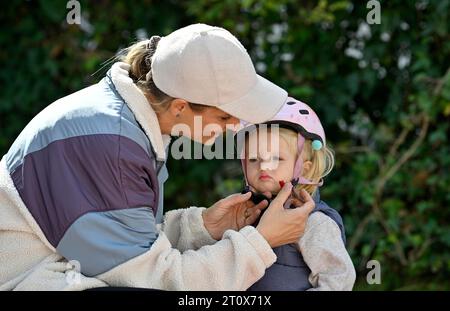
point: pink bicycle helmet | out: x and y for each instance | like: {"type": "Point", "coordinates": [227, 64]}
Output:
{"type": "Point", "coordinates": [299, 117]}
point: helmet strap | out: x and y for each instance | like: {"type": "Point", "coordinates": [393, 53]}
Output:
{"type": "Point", "coordinates": [298, 168]}
{"type": "Point", "coordinates": [244, 166]}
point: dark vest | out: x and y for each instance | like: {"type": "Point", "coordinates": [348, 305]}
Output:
{"type": "Point", "coordinates": [290, 272]}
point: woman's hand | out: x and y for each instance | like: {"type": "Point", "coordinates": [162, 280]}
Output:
{"type": "Point", "coordinates": [234, 212]}
{"type": "Point", "coordinates": [281, 226]}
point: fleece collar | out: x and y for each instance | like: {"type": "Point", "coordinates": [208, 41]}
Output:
{"type": "Point", "coordinates": [141, 108]}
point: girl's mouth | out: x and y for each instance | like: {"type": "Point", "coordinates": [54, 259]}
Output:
{"type": "Point", "coordinates": [264, 177]}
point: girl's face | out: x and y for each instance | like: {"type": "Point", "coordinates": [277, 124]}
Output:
{"type": "Point", "coordinates": [270, 162]}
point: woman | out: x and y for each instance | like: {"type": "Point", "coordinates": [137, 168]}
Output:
{"type": "Point", "coordinates": [81, 187]}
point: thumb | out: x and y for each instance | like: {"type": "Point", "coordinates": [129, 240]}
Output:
{"type": "Point", "coordinates": [234, 199]}
{"type": "Point", "coordinates": [308, 204]}
{"type": "Point", "coordinates": [283, 195]}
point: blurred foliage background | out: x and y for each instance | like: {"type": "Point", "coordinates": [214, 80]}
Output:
{"type": "Point", "coordinates": [382, 91]}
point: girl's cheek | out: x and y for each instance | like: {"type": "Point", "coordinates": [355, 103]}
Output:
{"type": "Point", "coordinates": [250, 171]}
{"type": "Point", "coordinates": [254, 174]}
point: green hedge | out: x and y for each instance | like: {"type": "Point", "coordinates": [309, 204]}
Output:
{"type": "Point", "coordinates": [383, 92]}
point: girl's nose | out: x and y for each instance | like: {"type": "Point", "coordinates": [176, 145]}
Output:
{"type": "Point", "coordinates": [268, 165]}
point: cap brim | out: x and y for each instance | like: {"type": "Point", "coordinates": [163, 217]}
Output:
{"type": "Point", "coordinates": [260, 104]}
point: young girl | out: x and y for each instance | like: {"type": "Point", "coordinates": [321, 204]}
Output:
{"type": "Point", "coordinates": [319, 261]}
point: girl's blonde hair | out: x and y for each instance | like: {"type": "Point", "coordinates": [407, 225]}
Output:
{"type": "Point", "coordinates": [322, 160]}
{"type": "Point", "coordinates": [139, 57]}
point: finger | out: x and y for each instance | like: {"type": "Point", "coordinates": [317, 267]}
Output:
{"type": "Point", "coordinates": [296, 194]}
{"type": "Point", "coordinates": [254, 212]}
{"type": "Point", "coordinates": [253, 217]}
{"type": "Point", "coordinates": [260, 206]}
{"type": "Point", "coordinates": [296, 202]}
{"type": "Point", "coordinates": [283, 195]}
{"type": "Point", "coordinates": [236, 198]}
{"type": "Point", "coordinates": [305, 196]}
{"type": "Point", "coordinates": [302, 211]}
{"type": "Point", "coordinates": [291, 202]}
{"type": "Point", "coordinates": [309, 204]}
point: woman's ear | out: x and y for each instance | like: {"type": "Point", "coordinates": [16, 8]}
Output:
{"type": "Point", "coordinates": [178, 106]}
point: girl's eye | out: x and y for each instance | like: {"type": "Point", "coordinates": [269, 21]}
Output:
{"type": "Point", "coordinates": [252, 160]}
{"type": "Point", "coordinates": [225, 118]}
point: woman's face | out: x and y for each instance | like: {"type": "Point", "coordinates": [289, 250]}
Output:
{"type": "Point", "coordinates": [270, 161]}
{"type": "Point", "coordinates": [206, 125]}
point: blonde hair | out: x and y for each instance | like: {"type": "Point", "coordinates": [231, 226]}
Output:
{"type": "Point", "coordinates": [139, 57]}
{"type": "Point", "coordinates": [322, 160]}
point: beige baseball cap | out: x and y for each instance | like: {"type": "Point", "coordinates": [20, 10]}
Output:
{"type": "Point", "coordinates": [207, 65]}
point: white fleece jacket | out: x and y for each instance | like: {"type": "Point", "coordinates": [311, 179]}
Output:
{"type": "Point", "coordinates": [29, 262]}
{"type": "Point", "coordinates": [183, 257]}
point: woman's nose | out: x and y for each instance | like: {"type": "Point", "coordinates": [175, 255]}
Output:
{"type": "Point", "coordinates": [234, 121]}
{"type": "Point", "coordinates": [232, 124]}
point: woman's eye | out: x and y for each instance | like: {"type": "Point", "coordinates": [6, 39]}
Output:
{"type": "Point", "coordinates": [252, 160]}
{"type": "Point", "coordinates": [225, 118]}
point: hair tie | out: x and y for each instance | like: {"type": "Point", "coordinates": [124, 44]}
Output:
{"type": "Point", "coordinates": [152, 41]}
{"type": "Point", "coordinates": [150, 46]}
